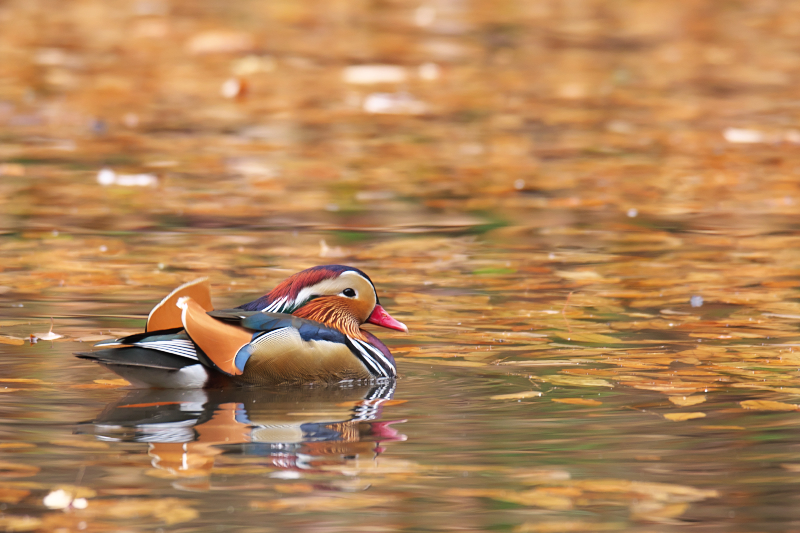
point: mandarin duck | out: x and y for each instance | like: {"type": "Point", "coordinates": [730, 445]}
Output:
{"type": "Point", "coordinates": [307, 329]}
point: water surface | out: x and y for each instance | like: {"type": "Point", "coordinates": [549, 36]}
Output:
{"type": "Point", "coordinates": [586, 213]}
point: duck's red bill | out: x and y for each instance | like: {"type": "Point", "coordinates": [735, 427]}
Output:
{"type": "Point", "coordinates": [380, 317]}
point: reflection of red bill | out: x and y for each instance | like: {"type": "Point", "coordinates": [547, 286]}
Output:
{"type": "Point", "coordinates": [382, 431]}
{"type": "Point", "coordinates": [380, 317]}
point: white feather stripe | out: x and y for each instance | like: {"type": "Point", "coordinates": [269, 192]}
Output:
{"type": "Point", "coordinates": [368, 359]}
{"type": "Point", "coordinates": [180, 347]}
{"type": "Point", "coordinates": [380, 357]}
{"type": "Point", "coordinates": [275, 307]}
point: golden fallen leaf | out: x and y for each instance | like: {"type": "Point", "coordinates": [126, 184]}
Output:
{"type": "Point", "coordinates": [102, 384]}
{"type": "Point", "coordinates": [545, 362]}
{"type": "Point", "coordinates": [9, 469]}
{"type": "Point", "coordinates": [538, 498]}
{"type": "Point", "coordinates": [657, 511]}
{"type": "Point", "coordinates": [543, 498]}
{"type": "Point", "coordinates": [579, 275]}
{"type": "Point", "coordinates": [8, 323]}
{"type": "Point", "coordinates": [113, 382]}
{"type": "Point", "coordinates": [577, 401]}
{"type": "Point", "coordinates": [295, 488]}
{"type": "Point", "coordinates": [577, 381]}
{"type": "Point", "coordinates": [338, 502]}
{"type": "Point", "coordinates": [77, 491]}
{"type": "Point", "coordinates": [664, 492]}
{"type": "Point", "coordinates": [768, 405]}
{"type": "Point", "coordinates": [14, 341]}
{"type": "Point", "coordinates": [588, 337]}
{"type": "Point", "coordinates": [540, 475]}
{"type": "Point", "coordinates": [177, 515]}
{"type": "Point", "coordinates": [567, 526]}
{"type": "Point", "coordinates": [19, 523]}
{"type": "Point", "coordinates": [440, 362]}
{"type": "Point", "coordinates": [680, 417]}
{"type": "Point", "coordinates": [516, 395]}
{"type": "Point", "coordinates": [169, 510]}
{"type": "Point", "coordinates": [9, 495]}
{"type": "Point", "coordinates": [686, 401]}
{"type": "Point", "coordinates": [88, 444]}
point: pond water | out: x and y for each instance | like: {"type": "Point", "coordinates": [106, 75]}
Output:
{"type": "Point", "coordinates": [585, 212]}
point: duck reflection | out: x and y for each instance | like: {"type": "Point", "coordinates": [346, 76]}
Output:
{"type": "Point", "coordinates": [291, 429]}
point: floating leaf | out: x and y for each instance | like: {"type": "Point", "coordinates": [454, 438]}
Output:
{"type": "Point", "coordinates": [9, 495]}
{"type": "Point", "coordinates": [339, 502]}
{"type": "Point", "coordinates": [686, 401]}
{"type": "Point", "coordinates": [657, 511]}
{"type": "Point", "coordinates": [579, 275]}
{"type": "Point", "coordinates": [577, 381]}
{"type": "Point", "coordinates": [15, 341]}
{"type": "Point", "coordinates": [768, 405]}
{"type": "Point", "coordinates": [544, 498]}
{"type": "Point", "coordinates": [567, 526]}
{"type": "Point", "coordinates": [19, 523]}
{"type": "Point", "coordinates": [680, 417]}
{"type": "Point", "coordinates": [9, 469]}
{"type": "Point", "coordinates": [88, 444]}
{"type": "Point", "coordinates": [587, 337]}
{"type": "Point", "coordinates": [577, 401]}
{"type": "Point", "coordinates": [440, 362]}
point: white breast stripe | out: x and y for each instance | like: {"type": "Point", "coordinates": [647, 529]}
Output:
{"type": "Point", "coordinates": [379, 355]}
{"type": "Point", "coordinates": [369, 359]}
{"type": "Point", "coordinates": [181, 347]}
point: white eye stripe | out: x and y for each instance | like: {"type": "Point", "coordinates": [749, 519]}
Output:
{"type": "Point", "coordinates": [329, 286]}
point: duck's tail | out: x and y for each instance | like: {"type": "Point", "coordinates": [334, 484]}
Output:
{"type": "Point", "coordinates": [166, 315]}
{"type": "Point", "coordinates": [165, 359]}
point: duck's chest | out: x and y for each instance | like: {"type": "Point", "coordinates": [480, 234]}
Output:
{"type": "Point", "coordinates": [284, 355]}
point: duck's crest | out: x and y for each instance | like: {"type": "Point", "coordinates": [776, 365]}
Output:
{"type": "Point", "coordinates": [283, 298]}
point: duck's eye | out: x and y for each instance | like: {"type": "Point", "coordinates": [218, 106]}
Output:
{"type": "Point", "coordinates": [350, 293]}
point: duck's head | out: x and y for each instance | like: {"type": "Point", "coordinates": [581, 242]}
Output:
{"type": "Point", "coordinates": [331, 294]}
